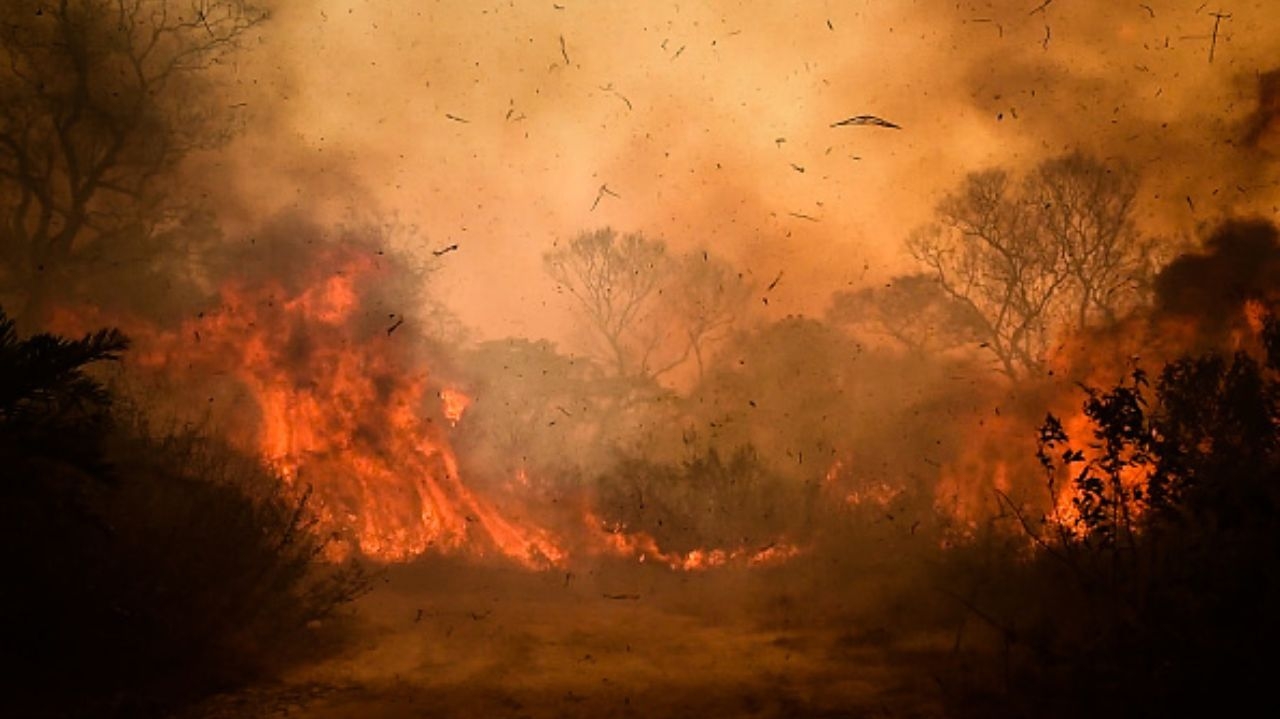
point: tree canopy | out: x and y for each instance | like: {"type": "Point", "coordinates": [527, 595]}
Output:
{"type": "Point", "coordinates": [648, 311]}
{"type": "Point", "coordinates": [1028, 260]}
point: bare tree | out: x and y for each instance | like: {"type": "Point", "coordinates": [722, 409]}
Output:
{"type": "Point", "coordinates": [1085, 210]}
{"type": "Point", "coordinates": [649, 311]}
{"type": "Point", "coordinates": [613, 279]}
{"type": "Point", "coordinates": [99, 100]}
{"type": "Point", "coordinates": [1057, 252]}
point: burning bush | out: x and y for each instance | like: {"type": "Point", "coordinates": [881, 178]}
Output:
{"type": "Point", "coordinates": [1154, 588]}
{"type": "Point", "coordinates": [146, 568]}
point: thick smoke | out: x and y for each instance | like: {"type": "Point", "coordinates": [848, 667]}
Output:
{"type": "Point", "coordinates": [483, 137]}
{"type": "Point", "coordinates": [496, 128]}
{"type": "Point", "coordinates": [1263, 123]}
{"type": "Point", "coordinates": [1240, 262]}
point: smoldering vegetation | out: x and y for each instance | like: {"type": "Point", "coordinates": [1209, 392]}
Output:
{"type": "Point", "coordinates": [260, 460]}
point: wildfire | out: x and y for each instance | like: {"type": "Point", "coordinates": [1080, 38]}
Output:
{"type": "Point", "coordinates": [344, 409]}
{"type": "Point", "coordinates": [997, 471]}
{"type": "Point", "coordinates": [454, 403]}
{"type": "Point", "coordinates": [617, 541]}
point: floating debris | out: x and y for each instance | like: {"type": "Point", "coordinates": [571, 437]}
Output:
{"type": "Point", "coordinates": [620, 96]}
{"type": "Point", "coordinates": [1218, 17]}
{"type": "Point", "coordinates": [866, 120]}
{"type": "Point", "coordinates": [604, 190]}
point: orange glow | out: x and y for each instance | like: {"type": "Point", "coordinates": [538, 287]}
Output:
{"type": "Point", "coordinates": [999, 458]}
{"type": "Point", "coordinates": [453, 403]}
{"type": "Point", "coordinates": [614, 539]}
{"type": "Point", "coordinates": [1255, 316]}
{"type": "Point", "coordinates": [345, 409]}
{"type": "Point", "coordinates": [880, 494]}
{"type": "Point", "coordinates": [1064, 510]}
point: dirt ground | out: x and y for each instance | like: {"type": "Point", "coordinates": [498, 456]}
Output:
{"type": "Point", "coordinates": [445, 641]}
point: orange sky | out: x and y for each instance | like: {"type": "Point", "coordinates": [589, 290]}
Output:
{"type": "Point", "coordinates": [699, 116]}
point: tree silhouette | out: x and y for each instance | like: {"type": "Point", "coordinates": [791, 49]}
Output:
{"type": "Point", "coordinates": [47, 401]}
{"type": "Point", "coordinates": [648, 311]}
{"type": "Point", "coordinates": [709, 296]}
{"type": "Point", "coordinates": [99, 101]}
{"type": "Point", "coordinates": [1029, 260]}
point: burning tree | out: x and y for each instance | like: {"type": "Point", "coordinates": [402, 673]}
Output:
{"type": "Point", "coordinates": [99, 101]}
{"type": "Point", "coordinates": [1056, 252]}
{"type": "Point", "coordinates": [1155, 583]}
{"type": "Point", "coordinates": [1150, 574]}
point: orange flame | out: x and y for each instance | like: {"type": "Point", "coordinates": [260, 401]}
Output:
{"type": "Point", "coordinates": [999, 458]}
{"type": "Point", "coordinates": [453, 403]}
{"type": "Point", "coordinates": [342, 410]}
{"type": "Point", "coordinates": [617, 541]}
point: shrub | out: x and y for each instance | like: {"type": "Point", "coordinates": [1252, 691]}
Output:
{"type": "Point", "coordinates": [145, 568]}
{"type": "Point", "coordinates": [1157, 593]}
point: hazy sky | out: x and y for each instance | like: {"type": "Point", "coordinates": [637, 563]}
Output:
{"type": "Point", "coordinates": [494, 125]}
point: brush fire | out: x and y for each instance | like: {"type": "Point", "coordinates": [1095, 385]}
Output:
{"type": "Point", "coordinates": [395, 360]}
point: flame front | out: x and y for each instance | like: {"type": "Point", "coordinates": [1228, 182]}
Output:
{"type": "Point", "coordinates": [614, 539]}
{"type": "Point", "coordinates": [341, 407]}
{"type": "Point", "coordinates": [342, 411]}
